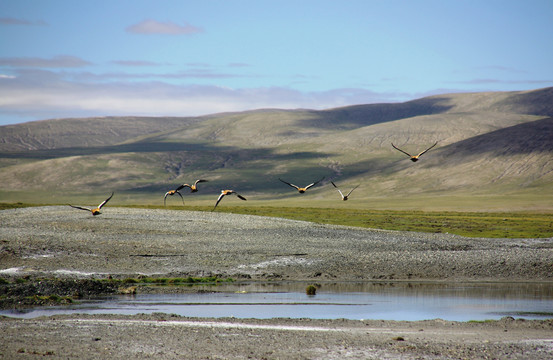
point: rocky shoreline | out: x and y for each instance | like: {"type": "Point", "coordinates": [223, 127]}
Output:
{"type": "Point", "coordinates": [53, 252]}
{"type": "Point", "coordinates": [165, 336]}
{"type": "Point", "coordinates": [59, 242]}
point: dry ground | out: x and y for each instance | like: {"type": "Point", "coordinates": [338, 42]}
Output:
{"type": "Point", "coordinates": [67, 243]}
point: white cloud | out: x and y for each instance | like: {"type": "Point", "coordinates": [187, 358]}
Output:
{"type": "Point", "coordinates": [36, 94]}
{"type": "Point", "coordinates": [44, 94]}
{"type": "Point", "coordinates": [150, 26]}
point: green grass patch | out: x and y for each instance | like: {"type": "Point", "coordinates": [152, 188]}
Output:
{"type": "Point", "coordinates": [471, 224]}
{"type": "Point", "coordinates": [536, 313]}
{"type": "Point", "coordinates": [48, 300]}
{"type": "Point", "coordinates": [17, 205]}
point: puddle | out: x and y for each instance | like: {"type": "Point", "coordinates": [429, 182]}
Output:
{"type": "Point", "coordinates": [385, 301]}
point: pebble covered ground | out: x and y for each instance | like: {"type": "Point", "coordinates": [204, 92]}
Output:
{"type": "Point", "coordinates": [123, 242]}
{"type": "Point", "coordinates": [65, 243]}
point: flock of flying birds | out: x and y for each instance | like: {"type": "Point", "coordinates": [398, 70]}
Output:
{"type": "Point", "coordinates": [194, 187]}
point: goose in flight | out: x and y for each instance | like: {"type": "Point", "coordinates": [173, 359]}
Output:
{"type": "Point", "coordinates": [193, 187]}
{"type": "Point", "coordinates": [414, 157]}
{"type": "Point", "coordinates": [227, 192]}
{"type": "Point", "coordinates": [171, 193]}
{"type": "Point", "coordinates": [301, 190]}
{"type": "Point", "coordinates": [95, 211]}
{"type": "Point", "coordinates": [344, 197]}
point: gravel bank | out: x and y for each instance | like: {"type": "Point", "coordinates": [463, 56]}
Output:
{"type": "Point", "coordinates": [161, 336]}
{"type": "Point", "coordinates": [64, 242]}
{"type": "Point", "coordinates": [70, 244]}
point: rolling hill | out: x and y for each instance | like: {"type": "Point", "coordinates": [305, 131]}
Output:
{"type": "Point", "coordinates": [495, 151]}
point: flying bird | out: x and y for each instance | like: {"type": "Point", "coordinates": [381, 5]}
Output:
{"type": "Point", "coordinates": [301, 190]}
{"type": "Point", "coordinates": [344, 197]}
{"type": "Point", "coordinates": [95, 211]}
{"type": "Point", "coordinates": [171, 193]}
{"type": "Point", "coordinates": [227, 192]}
{"type": "Point", "coordinates": [193, 187]}
{"type": "Point", "coordinates": [414, 158]}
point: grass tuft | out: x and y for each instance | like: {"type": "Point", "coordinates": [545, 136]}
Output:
{"type": "Point", "coordinates": [311, 290]}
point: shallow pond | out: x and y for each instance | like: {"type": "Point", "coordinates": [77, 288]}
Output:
{"type": "Point", "coordinates": [386, 301]}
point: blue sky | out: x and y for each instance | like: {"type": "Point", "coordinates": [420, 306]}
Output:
{"type": "Point", "coordinates": [66, 58]}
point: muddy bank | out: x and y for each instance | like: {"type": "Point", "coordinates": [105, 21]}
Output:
{"type": "Point", "coordinates": [42, 292]}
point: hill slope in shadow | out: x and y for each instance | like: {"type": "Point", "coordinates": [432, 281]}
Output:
{"type": "Point", "coordinates": [489, 144]}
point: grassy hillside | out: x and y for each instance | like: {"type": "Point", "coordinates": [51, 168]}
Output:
{"type": "Point", "coordinates": [85, 132]}
{"type": "Point", "coordinates": [494, 152]}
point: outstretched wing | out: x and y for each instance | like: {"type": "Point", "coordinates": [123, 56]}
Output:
{"type": "Point", "coordinates": [182, 187]}
{"type": "Point", "coordinates": [406, 153]}
{"type": "Point", "coordinates": [313, 184]}
{"type": "Point", "coordinates": [287, 183]}
{"type": "Point", "coordinates": [79, 207]}
{"type": "Point", "coordinates": [337, 189]}
{"type": "Point", "coordinates": [105, 201]}
{"type": "Point", "coordinates": [199, 181]}
{"type": "Point", "coordinates": [219, 200]}
{"type": "Point", "coordinates": [240, 196]}
{"type": "Point", "coordinates": [428, 149]}
{"type": "Point", "coordinates": [352, 190]}
{"type": "Point", "coordinates": [176, 192]}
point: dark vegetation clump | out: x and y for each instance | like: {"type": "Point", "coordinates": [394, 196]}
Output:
{"type": "Point", "coordinates": [23, 292]}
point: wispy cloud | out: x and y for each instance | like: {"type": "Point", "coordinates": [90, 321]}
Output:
{"type": "Point", "coordinates": [199, 65]}
{"type": "Point", "coordinates": [150, 26]}
{"type": "Point", "coordinates": [62, 61]}
{"type": "Point", "coordinates": [45, 94]}
{"type": "Point", "coordinates": [238, 65]}
{"type": "Point", "coordinates": [137, 63]}
{"type": "Point", "coordinates": [130, 76]}
{"type": "Point", "coordinates": [501, 68]}
{"type": "Point", "coordinates": [15, 21]}
{"type": "Point", "coordinates": [479, 81]}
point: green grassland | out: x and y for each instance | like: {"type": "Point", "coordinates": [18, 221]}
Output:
{"type": "Point", "coordinates": [471, 224]}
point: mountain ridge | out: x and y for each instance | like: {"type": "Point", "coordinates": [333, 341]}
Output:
{"type": "Point", "coordinates": [494, 143]}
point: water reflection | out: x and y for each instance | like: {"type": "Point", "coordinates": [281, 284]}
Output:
{"type": "Point", "coordinates": [386, 301]}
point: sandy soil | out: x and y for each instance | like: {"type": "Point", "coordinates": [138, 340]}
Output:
{"type": "Point", "coordinates": [65, 243]}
